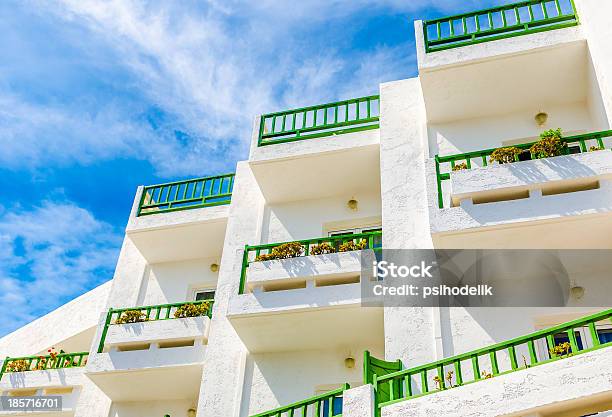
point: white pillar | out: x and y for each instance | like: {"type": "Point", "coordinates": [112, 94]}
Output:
{"type": "Point", "coordinates": [359, 402]}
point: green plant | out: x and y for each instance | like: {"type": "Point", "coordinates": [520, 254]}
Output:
{"type": "Point", "coordinates": [284, 251]}
{"type": "Point", "coordinates": [19, 365]}
{"type": "Point", "coordinates": [561, 349]}
{"type": "Point", "coordinates": [192, 310]}
{"type": "Point", "coordinates": [596, 148]}
{"type": "Point", "coordinates": [449, 379]}
{"type": "Point", "coordinates": [351, 246]}
{"type": "Point", "coordinates": [505, 155]}
{"type": "Point", "coordinates": [550, 144]}
{"type": "Point", "coordinates": [438, 381]}
{"type": "Point", "coordinates": [460, 166]}
{"type": "Point", "coordinates": [131, 316]}
{"type": "Point", "coordinates": [322, 249]}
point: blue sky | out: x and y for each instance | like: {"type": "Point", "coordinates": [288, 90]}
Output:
{"type": "Point", "coordinates": [97, 98]}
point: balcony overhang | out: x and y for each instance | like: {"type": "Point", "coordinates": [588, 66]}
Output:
{"type": "Point", "coordinates": [180, 235]}
{"type": "Point", "coordinates": [160, 359]}
{"type": "Point", "coordinates": [305, 303]}
{"type": "Point", "coordinates": [507, 82]}
{"type": "Point", "coordinates": [528, 204]}
{"type": "Point", "coordinates": [336, 165]}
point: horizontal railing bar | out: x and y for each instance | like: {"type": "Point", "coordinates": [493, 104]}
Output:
{"type": "Point", "coordinates": [504, 345]}
{"type": "Point", "coordinates": [321, 106]}
{"type": "Point", "coordinates": [266, 141]}
{"type": "Point", "coordinates": [320, 127]}
{"type": "Point", "coordinates": [189, 200]}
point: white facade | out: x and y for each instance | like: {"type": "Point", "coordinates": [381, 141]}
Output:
{"type": "Point", "coordinates": [290, 333]}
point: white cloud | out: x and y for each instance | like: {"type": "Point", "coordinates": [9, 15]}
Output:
{"type": "Point", "coordinates": [48, 255]}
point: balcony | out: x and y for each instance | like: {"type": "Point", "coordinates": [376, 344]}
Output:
{"type": "Point", "coordinates": [531, 369]}
{"type": "Point", "coordinates": [328, 404]}
{"type": "Point", "coordinates": [293, 294]}
{"type": "Point", "coordinates": [496, 23]}
{"type": "Point", "coordinates": [181, 220]}
{"type": "Point", "coordinates": [473, 193]}
{"type": "Point", "coordinates": [56, 374]}
{"type": "Point", "coordinates": [289, 166]}
{"type": "Point", "coordinates": [156, 351]}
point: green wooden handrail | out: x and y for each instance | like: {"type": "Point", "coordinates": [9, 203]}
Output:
{"type": "Point", "coordinates": [306, 407]}
{"type": "Point", "coordinates": [321, 120]}
{"type": "Point", "coordinates": [581, 140]}
{"type": "Point", "coordinates": [187, 194]}
{"type": "Point", "coordinates": [415, 382]}
{"type": "Point", "coordinates": [500, 22]}
{"type": "Point", "coordinates": [46, 362]}
{"type": "Point", "coordinates": [307, 245]}
{"type": "Point", "coordinates": [150, 313]}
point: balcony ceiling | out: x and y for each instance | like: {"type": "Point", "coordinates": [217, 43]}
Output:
{"type": "Point", "coordinates": [319, 175]}
{"type": "Point", "coordinates": [497, 86]}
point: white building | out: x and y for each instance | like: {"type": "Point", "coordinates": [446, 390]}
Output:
{"type": "Point", "coordinates": [292, 333]}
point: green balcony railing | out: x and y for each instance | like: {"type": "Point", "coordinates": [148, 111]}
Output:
{"type": "Point", "coordinates": [500, 22]}
{"type": "Point", "coordinates": [116, 316]}
{"type": "Point", "coordinates": [318, 121]}
{"type": "Point", "coordinates": [44, 362]}
{"type": "Point", "coordinates": [571, 338]}
{"type": "Point", "coordinates": [324, 405]}
{"type": "Point", "coordinates": [188, 194]}
{"type": "Point", "coordinates": [575, 144]}
{"type": "Point", "coordinates": [371, 240]}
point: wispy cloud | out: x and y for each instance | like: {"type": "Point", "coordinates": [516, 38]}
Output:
{"type": "Point", "coordinates": [48, 255]}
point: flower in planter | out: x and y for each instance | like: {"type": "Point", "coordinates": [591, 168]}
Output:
{"type": "Point", "coordinates": [549, 145]}
{"type": "Point", "coordinates": [460, 166]}
{"type": "Point", "coordinates": [351, 246]}
{"type": "Point", "coordinates": [284, 251]}
{"type": "Point", "coordinates": [192, 310]}
{"type": "Point", "coordinates": [322, 249]}
{"type": "Point", "coordinates": [19, 365]}
{"type": "Point", "coordinates": [131, 316]}
{"type": "Point", "coordinates": [596, 148]}
{"type": "Point", "coordinates": [505, 155]}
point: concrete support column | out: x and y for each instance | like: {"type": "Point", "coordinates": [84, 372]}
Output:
{"type": "Point", "coordinates": [409, 332]}
{"type": "Point", "coordinates": [359, 402]}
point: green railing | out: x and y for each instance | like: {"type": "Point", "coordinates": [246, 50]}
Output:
{"type": "Point", "coordinates": [318, 121]}
{"type": "Point", "coordinates": [318, 406]}
{"type": "Point", "coordinates": [489, 362]}
{"type": "Point", "coordinates": [251, 253]}
{"type": "Point", "coordinates": [148, 313]}
{"type": "Point", "coordinates": [575, 144]}
{"type": "Point", "coordinates": [188, 194]}
{"type": "Point", "coordinates": [498, 23]}
{"type": "Point", "coordinates": [43, 362]}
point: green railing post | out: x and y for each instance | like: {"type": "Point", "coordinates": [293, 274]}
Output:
{"type": "Point", "coordinates": [107, 323]}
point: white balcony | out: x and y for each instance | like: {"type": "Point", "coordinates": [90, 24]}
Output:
{"type": "Point", "coordinates": [538, 201]}
{"type": "Point", "coordinates": [305, 303]}
{"type": "Point", "coordinates": [160, 359]}
{"type": "Point", "coordinates": [65, 382]}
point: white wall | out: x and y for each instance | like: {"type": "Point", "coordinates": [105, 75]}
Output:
{"type": "Point", "coordinates": [314, 218]}
{"type": "Point", "coordinates": [274, 379]}
{"type": "Point", "coordinates": [173, 282]}
{"type": "Point", "coordinates": [495, 131]}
